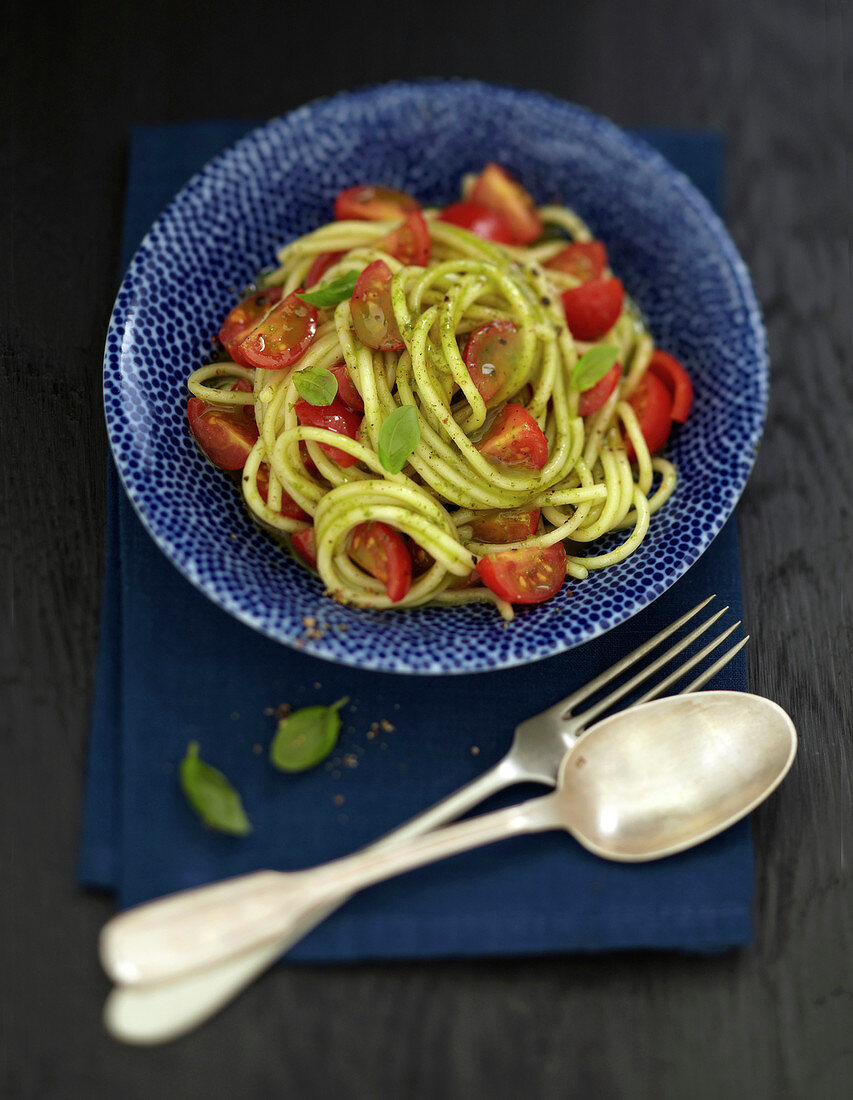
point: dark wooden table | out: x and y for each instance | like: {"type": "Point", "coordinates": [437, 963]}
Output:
{"type": "Point", "coordinates": [774, 1020]}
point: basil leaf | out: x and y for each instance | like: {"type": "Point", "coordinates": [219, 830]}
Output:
{"type": "Point", "coordinates": [593, 366]}
{"type": "Point", "coordinates": [329, 294]}
{"type": "Point", "coordinates": [211, 795]}
{"type": "Point", "coordinates": [306, 737]}
{"type": "Point", "coordinates": [398, 437]}
{"type": "Point", "coordinates": [317, 385]}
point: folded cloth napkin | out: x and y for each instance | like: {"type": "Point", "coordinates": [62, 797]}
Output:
{"type": "Point", "coordinates": [173, 668]}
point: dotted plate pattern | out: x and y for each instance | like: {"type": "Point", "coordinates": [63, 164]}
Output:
{"type": "Point", "coordinates": [670, 249]}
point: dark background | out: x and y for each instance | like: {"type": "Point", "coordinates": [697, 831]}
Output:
{"type": "Point", "coordinates": [774, 1020]}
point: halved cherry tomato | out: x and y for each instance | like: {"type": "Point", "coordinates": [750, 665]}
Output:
{"type": "Point", "coordinates": [288, 506]}
{"type": "Point", "coordinates": [381, 551]}
{"type": "Point", "coordinates": [479, 219]}
{"type": "Point", "coordinates": [320, 266]}
{"type": "Point", "coordinates": [515, 439]}
{"type": "Point", "coordinates": [507, 526]}
{"type": "Point", "coordinates": [492, 357]}
{"type": "Point", "coordinates": [593, 308]}
{"type": "Point", "coordinates": [346, 390]}
{"type": "Point", "coordinates": [304, 542]}
{"type": "Point", "coordinates": [677, 381]}
{"type": "Point", "coordinates": [584, 259]}
{"type": "Point", "coordinates": [225, 435]}
{"type": "Point", "coordinates": [335, 418]}
{"type": "Point", "coordinates": [422, 560]}
{"type": "Point", "coordinates": [591, 400]}
{"type": "Point", "coordinates": [282, 336]}
{"type": "Point", "coordinates": [410, 243]}
{"type": "Point", "coordinates": [531, 575]}
{"type": "Point", "coordinates": [496, 189]}
{"type": "Point", "coordinates": [371, 202]}
{"type": "Point", "coordinates": [243, 318]}
{"type": "Point", "coordinates": [653, 408]}
{"type": "Point", "coordinates": [372, 311]}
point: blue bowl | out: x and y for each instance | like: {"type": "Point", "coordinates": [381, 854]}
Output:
{"type": "Point", "coordinates": [670, 249]}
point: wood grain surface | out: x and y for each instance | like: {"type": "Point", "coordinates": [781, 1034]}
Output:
{"type": "Point", "coordinates": [774, 1020]}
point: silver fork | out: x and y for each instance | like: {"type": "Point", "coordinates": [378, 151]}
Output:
{"type": "Point", "coordinates": [159, 1002]}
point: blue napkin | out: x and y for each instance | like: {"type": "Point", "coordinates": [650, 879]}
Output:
{"type": "Point", "coordinates": [173, 668]}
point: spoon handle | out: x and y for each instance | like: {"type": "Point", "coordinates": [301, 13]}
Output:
{"type": "Point", "coordinates": [195, 928]}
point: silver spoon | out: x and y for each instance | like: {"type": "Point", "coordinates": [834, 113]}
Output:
{"type": "Point", "coordinates": [643, 784]}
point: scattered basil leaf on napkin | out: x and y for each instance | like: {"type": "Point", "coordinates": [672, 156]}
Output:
{"type": "Point", "coordinates": [593, 366]}
{"type": "Point", "coordinates": [306, 737]}
{"type": "Point", "coordinates": [316, 385]}
{"type": "Point", "coordinates": [398, 437]}
{"type": "Point", "coordinates": [329, 294]}
{"type": "Point", "coordinates": [211, 795]}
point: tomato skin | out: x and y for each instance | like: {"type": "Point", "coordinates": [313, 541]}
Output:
{"type": "Point", "coordinates": [676, 379]}
{"type": "Point", "coordinates": [372, 311]}
{"type": "Point", "coordinates": [372, 202]}
{"type": "Point", "coordinates": [225, 435]}
{"type": "Point", "coordinates": [506, 526]}
{"type": "Point", "coordinates": [335, 418]}
{"type": "Point", "coordinates": [410, 242]}
{"type": "Point", "coordinates": [593, 308]}
{"type": "Point", "coordinates": [381, 551]}
{"type": "Point", "coordinates": [288, 506]}
{"type": "Point", "coordinates": [515, 439]}
{"type": "Point", "coordinates": [304, 542]}
{"type": "Point", "coordinates": [530, 575]}
{"type": "Point", "coordinates": [586, 260]}
{"type": "Point", "coordinates": [321, 265]}
{"type": "Point", "coordinates": [653, 408]}
{"type": "Point", "coordinates": [243, 318]}
{"type": "Point", "coordinates": [591, 400]}
{"type": "Point", "coordinates": [488, 356]}
{"type": "Point", "coordinates": [282, 336]}
{"type": "Point", "coordinates": [495, 188]}
{"type": "Point", "coordinates": [346, 390]}
{"type": "Point", "coordinates": [479, 219]}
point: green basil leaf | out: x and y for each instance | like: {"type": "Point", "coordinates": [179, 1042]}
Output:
{"type": "Point", "coordinates": [329, 294]}
{"type": "Point", "coordinates": [306, 737]}
{"type": "Point", "coordinates": [211, 795]}
{"type": "Point", "coordinates": [593, 366]}
{"type": "Point", "coordinates": [317, 385]}
{"type": "Point", "coordinates": [398, 437]}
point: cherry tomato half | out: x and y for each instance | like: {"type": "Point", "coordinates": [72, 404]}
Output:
{"type": "Point", "coordinates": [243, 318]}
{"type": "Point", "coordinates": [591, 400]}
{"type": "Point", "coordinates": [507, 526]}
{"type": "Point", "coordinates": [585, 260]}
{"type": "Point", "coordinates": [492, 357]}
{"type": "Point", "coordinates": [372, 311]}
{"type": "Point", "coordinates": [370, 202]}
{"type": "Point", "coordinates": [334, 418]}
{"type": "Point", "coordinates": [321, 265]}
{"type": "Point", "coordinates": [225, 435]}
{"type": "Point", "coordinates": [676, 379]}
{"type": "Point", "coordinates": [653, 408]}
{"type": "Point", "coordinates": [282, 336]}
{"type": "Point", "coordinates": [499, 191]}
{"type": "Point", "coordinates": [531, 575]}
{"type": "Point", "coordinates": [346, 390]}
{"type": "Point", "coordinates": [381, 551]}
{"type": "Point", "coordinates": [288, 506]}
{"type": "Point", "coordinates": [593, 308]}
{"type": "Point", "coordinates": [515, 439]}
{"type": "Point", "coordinates": [304, 542]}
{"type": "Point", "coordinates": [478, 219]}
{"type": "Point", "coordinates": [409, 243]}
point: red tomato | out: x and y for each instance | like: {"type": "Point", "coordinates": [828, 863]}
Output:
{"type": "Point", "coordinates": [243, 318]}
{"type": "Point", "coordinates": [288, 507]}
{"type": "Point", "coordinates": [677, 381]}
{"type": "Point", "coordinates": [304, 542]}
{"type": "Point", "coordinates": [584, 259]}
{"type": "Point", "coordinates": [491, 356]}
{"type": "Point", "coordinates": [478, 219]}
{"type": "Point", "coordinates": [653, 408]}
{"type": "Point", "coordinates": [593, 308]}
{"type": "Point", "coordinates": [525, 576]}
{"type": "Point", "coordinates": [372, 312]}
{"type": "Point", "coordinates": [225, 435]}
{"type": "Point", "coordinates": [422, 561]}
{"type": "Point", "coordinates": [335, 418]}
{"type": "Point", "coordinates": [592, 399]}
{"type": "Point", "coordinates": [370, 202]}
{"type": "Point", "coordinates": [499, 191]}
{"type": "Point", "coordinates": [410, 243]}
{"type": "Point", "coordinates": [282, 336]}
{"type": "Point", "coordinates": [515, 439]}
{"type": "Point", "coordinates": [506, 526]}
{"type": "Point", "coordinates": [381, 551]}
{"type": "Point", "coordinates": [346, 390]}
{"type": "Point", "coordinates": [320, 266]}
